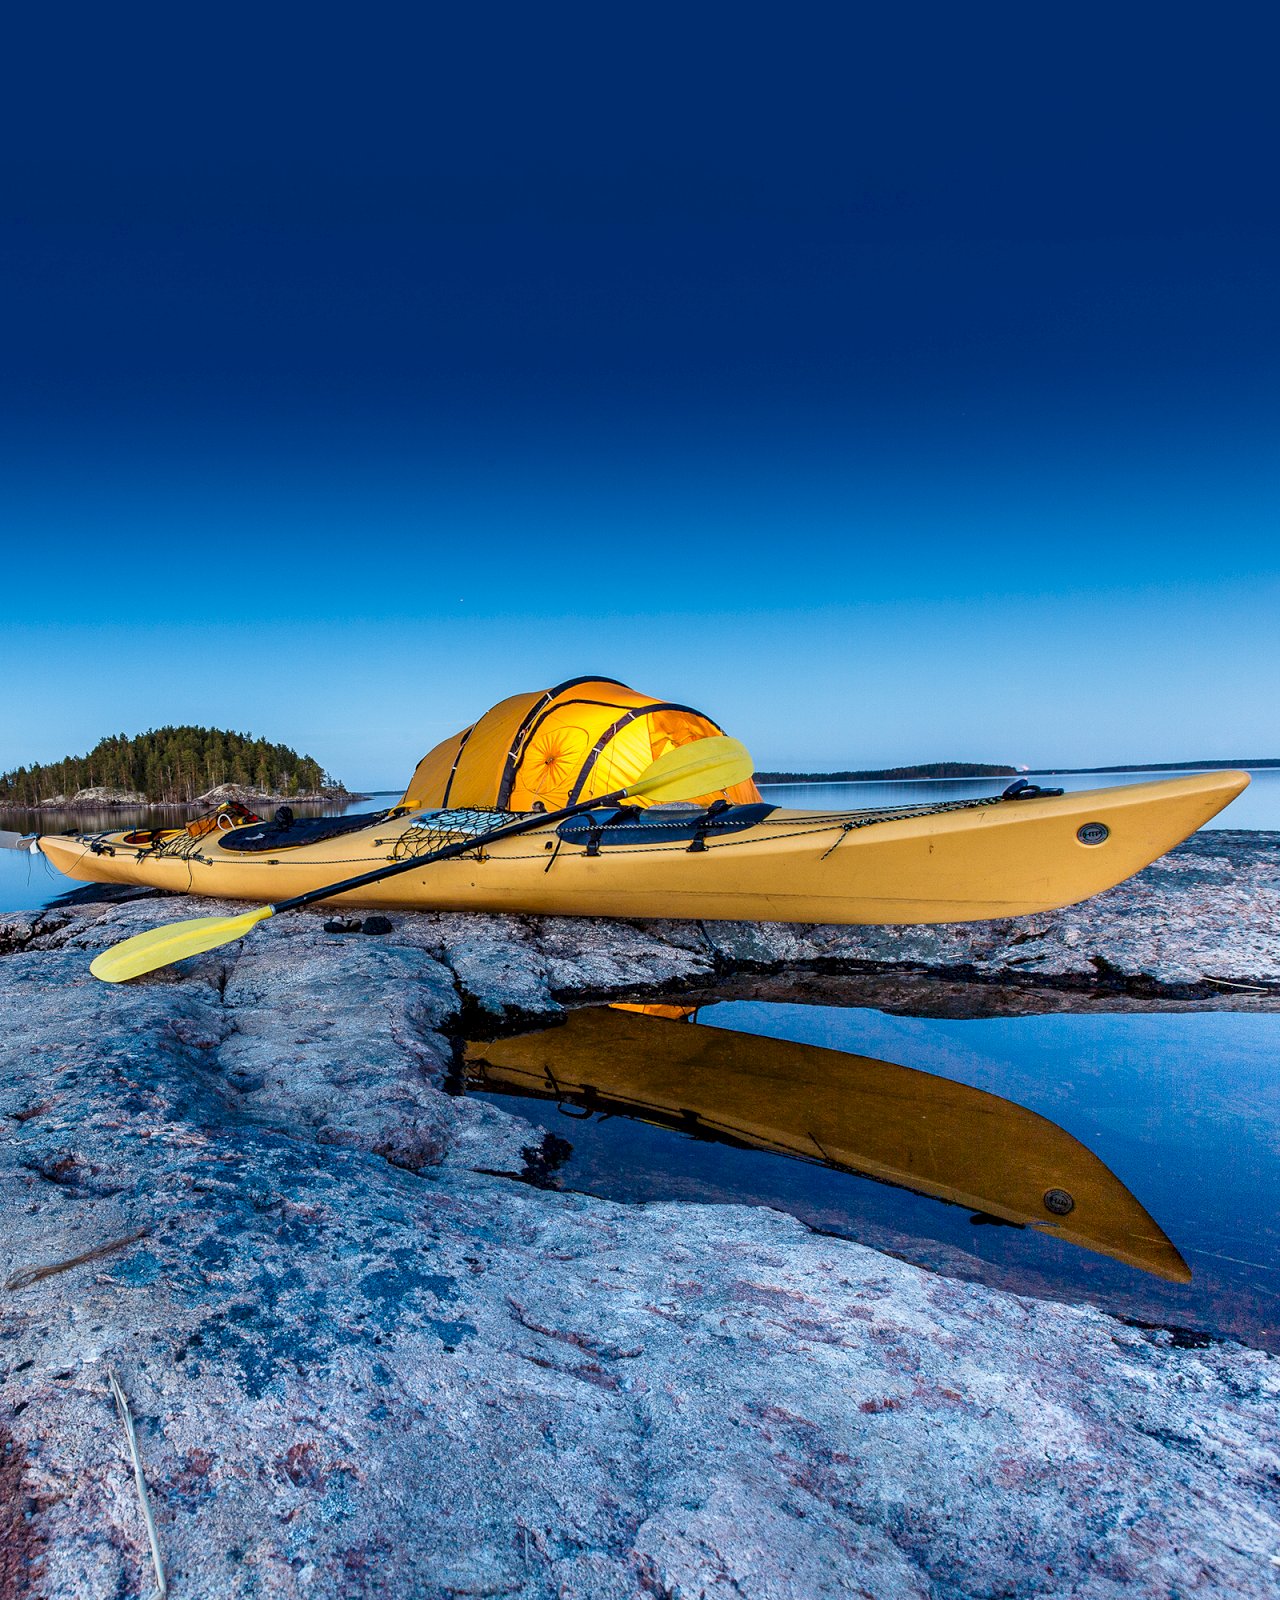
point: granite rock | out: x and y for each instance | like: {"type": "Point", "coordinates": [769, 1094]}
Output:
{"type": "Point", "coordinates": [364, 1359]}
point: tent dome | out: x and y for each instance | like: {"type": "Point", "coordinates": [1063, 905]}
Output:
{"type": "Point", "coordinates": [550, 748]}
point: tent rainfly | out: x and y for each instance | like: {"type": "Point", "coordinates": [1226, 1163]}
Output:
{"type": "Point", "coordinates": [553, 747]}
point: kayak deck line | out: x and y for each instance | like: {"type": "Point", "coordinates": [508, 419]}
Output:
{"type": "Point", "coordinates": [186, 846]}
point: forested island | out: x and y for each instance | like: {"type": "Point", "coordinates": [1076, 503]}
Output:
{"type": "Point", "coordinates": [168, 766]}
{"type": "Point", "coordinates": [928, 769]}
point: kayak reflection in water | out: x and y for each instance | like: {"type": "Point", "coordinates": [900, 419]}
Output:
{"type": "Point", "coordinates": [852, 1113]}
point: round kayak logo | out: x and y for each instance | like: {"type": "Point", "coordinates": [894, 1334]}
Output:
{"type": "Point", "coordinates": [1093, 832]}
{"type": "Point", "coordinates": [1059, 1202]}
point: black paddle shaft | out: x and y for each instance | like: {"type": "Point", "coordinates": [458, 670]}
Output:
{"type": "Point", "coordinates": [538, 819]}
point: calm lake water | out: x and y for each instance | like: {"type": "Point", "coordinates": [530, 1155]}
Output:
{"type": "Point", "coordinates": [1184, 1109]}
{"type": "Point", "coordinates": [1257, 807]}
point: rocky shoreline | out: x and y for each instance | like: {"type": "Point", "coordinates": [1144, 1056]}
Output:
{"type": "Point", "coordinates": [92, 801]}
{"type": "Point", "coordinates": [366, 1358]}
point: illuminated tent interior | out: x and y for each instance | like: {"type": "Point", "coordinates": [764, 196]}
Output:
{"type": "Point", "coordinates": [550, 748]}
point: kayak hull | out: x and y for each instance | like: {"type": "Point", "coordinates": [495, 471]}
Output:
{"type": "Point", "coordinates": [987, 860]}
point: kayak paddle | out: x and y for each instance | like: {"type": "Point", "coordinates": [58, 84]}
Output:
{"type": "Point", "coordinates": [677, 774]}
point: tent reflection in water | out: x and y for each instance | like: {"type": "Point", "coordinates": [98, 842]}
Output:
{"type": "Point", "coordinates": [549, 748]}
{"type": "Point", "coordinates": [853, 1113]}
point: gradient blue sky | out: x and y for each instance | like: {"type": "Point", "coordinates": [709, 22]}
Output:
{"type": "Point", "coordinates": [894, 388]}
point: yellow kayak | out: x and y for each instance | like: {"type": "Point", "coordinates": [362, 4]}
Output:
{"type": "Point", "coordinates": [850, 1112]}
{"type": "Point", "coordinates": [958, 861]}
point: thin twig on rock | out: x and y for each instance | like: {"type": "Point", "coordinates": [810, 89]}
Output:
{"type": "Point", "coordinates": [126, 1416]}
{"type": "Point", "coordinates": [20, 1280]}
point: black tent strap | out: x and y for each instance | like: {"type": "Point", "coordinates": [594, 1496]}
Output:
{"type": "Point", "coordinates": [615, 825]}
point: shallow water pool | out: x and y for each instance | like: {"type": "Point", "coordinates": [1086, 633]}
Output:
{"type": "Point", "coordinates": [1181, 1109]}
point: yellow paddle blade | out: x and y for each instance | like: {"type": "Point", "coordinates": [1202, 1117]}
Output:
{"type": "Point", "coordinates": [692, 769]}
{"type": "Point", "coordinates": [161, 947]}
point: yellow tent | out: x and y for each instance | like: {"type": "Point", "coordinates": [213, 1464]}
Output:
{"type": "Point", "coordinates": [553, 747]}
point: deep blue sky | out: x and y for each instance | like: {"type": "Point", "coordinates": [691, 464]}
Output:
{"type": "Point", "coordinates": [893, 387]}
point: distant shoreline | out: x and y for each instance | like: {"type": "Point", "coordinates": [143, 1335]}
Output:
{"type": "Point", "coordinates": [928, 773]}
{"type": "Point", "coordinates": [95, 805]}
{"type": "Point", "coordinates": [941, 770]}
{"type": "Point", "coordinates": [1167, 766]}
